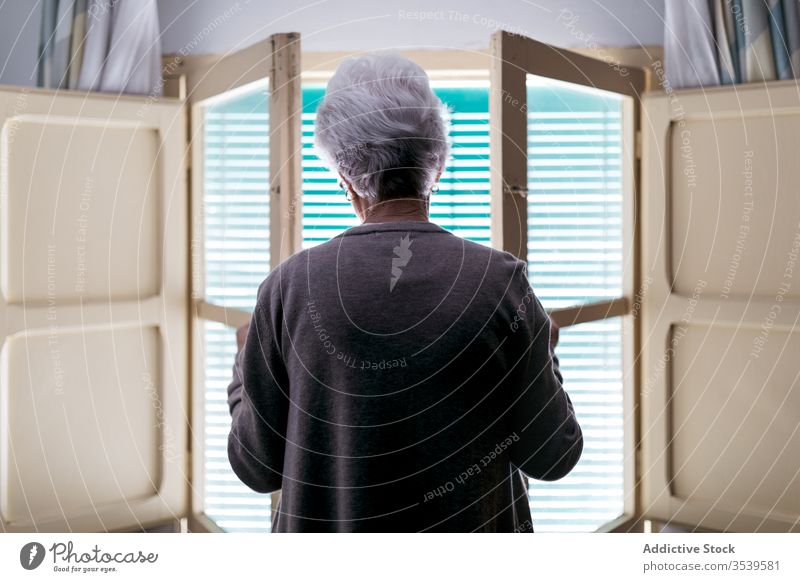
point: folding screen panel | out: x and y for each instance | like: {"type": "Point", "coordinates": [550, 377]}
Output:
{"type": "Point", "coordinates": [94, 281]}
{"type": "Point", "coordinates": [720, 344]}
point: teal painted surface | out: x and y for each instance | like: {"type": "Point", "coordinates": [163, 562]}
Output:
{"type": "Point", "coordinates": [462, 203]}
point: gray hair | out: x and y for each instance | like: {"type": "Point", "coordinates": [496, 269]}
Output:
{"type": "Point", "coordinates": [382, 128]}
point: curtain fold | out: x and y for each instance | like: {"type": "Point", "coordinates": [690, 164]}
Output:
{"type": "Point", "coordinates": [98, 35]}
{"type": "Point", "coordinates": [756, 52]}
{"type": "Point", "coordinates": [100, 45]}
{"type": "Point", "coordinates": [134, 57]}
{"type": "Point", "coordinates": [791, 14]}
{"type": "Point", "coordinates": [77, 42]}
{"type": "Point", "coordinates": [690, 52]}
{"type": "Point", "coordinates": [44, 70]}
{"type": "Point", "coordinates": [725, 36]}
{"type": "Point", "coordinates": [61, 43]}
{"type": "Point", "coordinates": [712, 42]}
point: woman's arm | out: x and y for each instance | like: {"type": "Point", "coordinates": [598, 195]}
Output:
{"type": "Point", "coordinates": [258, 399]}
{"type": "Point", "coordinates": [550, 438]}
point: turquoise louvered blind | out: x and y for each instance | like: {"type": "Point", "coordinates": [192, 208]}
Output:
{"type": "Point", "coordinates": [235, 211]}
{"type": "Point", "coordinates": [574, 255]}
{"type": "Point", "coordinates": [462, 203]}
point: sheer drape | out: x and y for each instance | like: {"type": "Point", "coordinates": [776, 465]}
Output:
{"type": "Point", "coordinates": [100, 45]}
{"type": "Point", "coordinates": [712, 42]}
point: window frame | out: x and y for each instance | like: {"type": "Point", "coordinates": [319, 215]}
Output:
{"type": "Point", "coordinates": [513, 58]}
{"type": "Point", "coordinates": [505, 66]}
{"type": "Point", "coordinates": [197, 80]}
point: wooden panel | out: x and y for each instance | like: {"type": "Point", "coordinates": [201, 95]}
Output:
{"type": "Point", "coordinates": [732, 200]}
{"type": "Point", "coordinates": [94, 317]}
{"type": "Point", "coordinates": [80, 435]}
{"type": "Point", "coordinates": [208, 79]}
{"type": "Point", "coordinates": [718, 381]}
{"type": "Point", "coordinates": [544, 60]}
{"type": "Point", "coordinates": [569, 316]}
{"type": "Point", "coordinates": [286, 150]}
{"type": "Point", "coordinates": [733, 419]}
{"type": "Point", "coordinates": [508, 144]}
{"type": "Point", "coordinates": [229, 316]}
{"type": "Point", "coordinates": [513, 59]}
{"type": "Point", "coordinates": [208, 76]}
{"type": "Point", "coordinates": [81, 217]}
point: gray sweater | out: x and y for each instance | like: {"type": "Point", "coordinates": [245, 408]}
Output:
{"type": "Point", "coordinates": [399, 378]}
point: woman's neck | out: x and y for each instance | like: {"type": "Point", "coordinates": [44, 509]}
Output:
{"type": "Point", "coordinates": [397, 210]}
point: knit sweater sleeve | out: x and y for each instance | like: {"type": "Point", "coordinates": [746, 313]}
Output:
{"type": "Point", "coordinates": [258, 398]}
{"type": "Point", "coordinates": [550, 439]}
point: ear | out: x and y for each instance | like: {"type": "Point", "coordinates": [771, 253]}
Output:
{"type": "Point", "coordinates": [348, 186]}
{"type": "Point", "coordinates": [355, 200]}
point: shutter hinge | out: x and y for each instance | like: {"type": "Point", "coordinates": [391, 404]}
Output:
{"type": "Point", "coordinates": [521, 191]}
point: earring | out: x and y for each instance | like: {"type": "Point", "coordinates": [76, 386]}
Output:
{"type": "Point", "coordinates": [344, 187]}
{"type": "Point", "coordinates": [434, 188]}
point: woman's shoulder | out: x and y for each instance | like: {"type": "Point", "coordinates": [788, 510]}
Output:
{"type": "Point", "coordinates": [283, 274]}
{"type": "Point", "coordinates": [501, 261]}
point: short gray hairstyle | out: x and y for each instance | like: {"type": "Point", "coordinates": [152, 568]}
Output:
{"type": "Point", "coordinates": [382, 128]}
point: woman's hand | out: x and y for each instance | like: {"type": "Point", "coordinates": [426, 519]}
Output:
{"type": "Point", "coordinates": [241, 335]}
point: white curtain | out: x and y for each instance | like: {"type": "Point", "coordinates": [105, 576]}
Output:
{"type": "Point", "coordinates": [101, 45]}
{"type": "Point", "coordinates": [712, 42]}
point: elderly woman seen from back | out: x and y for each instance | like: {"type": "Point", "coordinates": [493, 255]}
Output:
{"type": "Point", "coordinates": [397, 377]}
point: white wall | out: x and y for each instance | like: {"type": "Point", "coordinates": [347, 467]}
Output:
{"type": "Point", "coordinates": [208, 26]}
{"type": "Point", "coordinates": [19, 41]}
